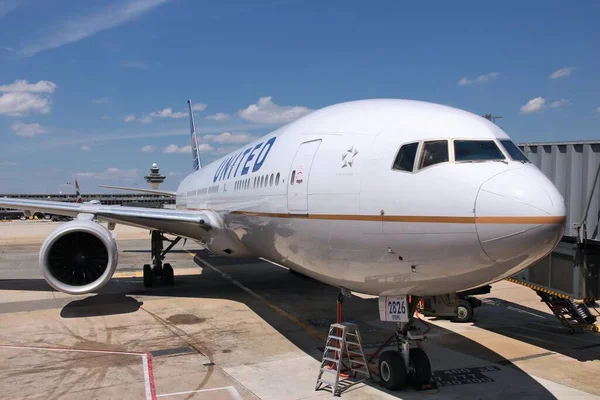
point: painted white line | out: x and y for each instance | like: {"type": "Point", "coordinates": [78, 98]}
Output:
{"type": "Point", "coordinates": [146, 377]}
{"type": "Point", "coordinates": [2, 346]}
{"type": "Point", "coordinates": [274, 263]}
{"type": "Point", "coordinates": [525, 312]}
{"type": "Point", "coordinates": [234, 393]}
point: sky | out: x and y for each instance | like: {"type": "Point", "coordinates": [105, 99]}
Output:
{"type": "Point", "coordinates": [97, 90]}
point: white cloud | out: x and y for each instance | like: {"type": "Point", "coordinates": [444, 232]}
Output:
{"type": "Point", "coordinates": [539, 104]}
{"type": "Point", "coordinates": [559, 103]}
{"type": "Point", "coordinates": [174, 173]}
{"type": "Point", "coordinates": [562, 73]}
{"type": "Point", "coordinates": [134, 64]}
{"type": "Point", "coordinates": [148, 149]}
{"type": "Point", "coordinates": [7, 163]}
{"type": "Point", "coordinates": [165, 113]}
{"type": "Point", "coordinates": [110, 173]}
{"type": "Point", "coordinates": [23, 86]}
{"type": "Point", "coordinates": [85, 147]}
{"type": "Point", "coordinates": [534, 105]}
{"type": "Point", "coordinates": [101, 100]}
{"type": "Point", "coordinates": [267, 112]}
{"type": "Point", "coordinates": [77, 27]}
{"type": "Point", "coordinates": [173, 148]}
{"type": "Point", "coordinates": [205, 147]}
{"type": "Point", "coordinates": [199, 107]}
{"type": "Point", "coordinates": [227, 137]}
{"type": "Point", "coordinates": [129, 118]}
{"type": "Point", "coordinates": [19, 104]}
{"type": "Point", "coordinates": [28, 130]}
{"type": "Point", "coordinates": [597, 110]}
{"type": "Point", "coordinates": [22, 98]}
{"type": "Point", "coordinates": [105, 117]}
{"type": "Point", "coordinates": [218, 117]}
{"type": "Point", "coordinates": [7, 6]}
{"type": "Point", "coordinates": [480, 79]}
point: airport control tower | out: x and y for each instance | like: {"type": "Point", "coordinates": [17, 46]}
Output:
{"type": "Point", "coordinates": [155, 178]}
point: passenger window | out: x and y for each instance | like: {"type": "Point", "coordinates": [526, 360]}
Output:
{"type": "Point", "coordinates": [277, 179]}
{"type": "Point", "coordinates": [271, 180]}
{"type": "Point", "coordinates": [293, 176]}
{"type": "Point", "coordinates": [405, 160]}
{"type": "Point", "coordinates": [434, 152]}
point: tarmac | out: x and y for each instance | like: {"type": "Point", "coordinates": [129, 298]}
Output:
{"type": "Point", "coordinates": [248, 329]}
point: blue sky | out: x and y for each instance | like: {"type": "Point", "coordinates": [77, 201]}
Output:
{"type": "Point", "coordinates": [98, 89]}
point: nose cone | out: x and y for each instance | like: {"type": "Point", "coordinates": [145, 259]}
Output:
{"type": "Point", "coordinates": [520, 216]}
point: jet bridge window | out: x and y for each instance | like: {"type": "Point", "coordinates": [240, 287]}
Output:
{"type": "Point", "coordinates": [513, 151]}
{"type": "Point", "coordinates": [434, 152]}
{"type": "Point", "coordinates": [476, 150]}
{"type": "Point", "coordinates": [405, 160]}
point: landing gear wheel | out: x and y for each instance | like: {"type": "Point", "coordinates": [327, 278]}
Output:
{"type": "Point", "coordinates": [464, 311]}
{"type": "Point", "coordinates": [148, 275]}
{"type": "Point", "coordinates": [392, 370]}
{"type": "Point", "coordinates": [422, 368]}
{"type": "Point", "coordinates": [168, 275]}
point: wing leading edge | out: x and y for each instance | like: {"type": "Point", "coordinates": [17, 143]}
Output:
{"type": "Point", "coordinates": [192, 224]}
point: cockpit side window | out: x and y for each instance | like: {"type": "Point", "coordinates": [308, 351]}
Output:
{"type": "Point", "coordinates": [434, 152]}
{"type": "Point", "coordinates": [476, 150]}
{"type": "Point", "coordinates": [405, 160]}
{"type": "Point", "coordinates": [513, 151]}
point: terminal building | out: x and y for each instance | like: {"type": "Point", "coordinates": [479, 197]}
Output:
{"type": "Point", "coordinates": [126, 199]}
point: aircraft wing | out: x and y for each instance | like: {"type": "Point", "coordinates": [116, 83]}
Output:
{"type": "Point", "coordinates": [151, 191]}
{"type": "Point", "coordinates": [179, 222]}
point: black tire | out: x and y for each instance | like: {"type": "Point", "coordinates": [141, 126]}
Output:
{"type": "Point", "coordinates": [148, 275]}
{"type": "Point", "coordinates": [422, 367]}
{"type": "Point", "coordinates": [168, 274]}
{"type": "Point", "coordinates": [392, 372]}
{"type": "Point", "coordinates": [464, 311]}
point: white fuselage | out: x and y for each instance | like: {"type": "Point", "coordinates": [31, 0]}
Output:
{"type": "Point", "coordinates": [320, 196]}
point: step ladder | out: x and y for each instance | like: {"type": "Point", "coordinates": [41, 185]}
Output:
{"type": "Point", "coordinates": [571, 314]}
{"type": "Point", "coordinates": [343, 353]}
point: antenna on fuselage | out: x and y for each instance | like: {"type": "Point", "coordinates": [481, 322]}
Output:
{"type": "Point", "coordinates": [491, 117]}
{"type": "Point", "coordinates": [195, 153]}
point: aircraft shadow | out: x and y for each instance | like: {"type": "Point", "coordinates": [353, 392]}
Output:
{"type": "Point", "coordinates": [536, 328]}
{"type": "Point", "coordinates": [101, 305]}
{"type": "Point", "coordinates": [309, 301]}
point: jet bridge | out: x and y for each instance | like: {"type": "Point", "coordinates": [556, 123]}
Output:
{"type": "Point", "coordinates": [568, 279]}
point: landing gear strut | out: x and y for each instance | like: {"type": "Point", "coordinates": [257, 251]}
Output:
{"type": "Point", "coordinates": [406, 365]}
{"type": "Point", "coordinates": [159, 272]}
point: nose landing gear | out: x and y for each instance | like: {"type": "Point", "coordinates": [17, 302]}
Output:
{"type": "Point", "coordinates": [159, 272]}
{"type": "Point", "coordinates": [407, 365]}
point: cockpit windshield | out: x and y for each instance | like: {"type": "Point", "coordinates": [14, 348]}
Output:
{"type": "Point", "coordinates": [514, 152]}
{"type": "Point", "coordinates": [476, 150]}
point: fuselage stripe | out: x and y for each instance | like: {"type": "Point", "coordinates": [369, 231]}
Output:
{"type": "Point", "coordinates": [413, 218]}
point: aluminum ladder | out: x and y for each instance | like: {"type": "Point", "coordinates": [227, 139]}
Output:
{"type": "Point", "coordinates": [343, 344]}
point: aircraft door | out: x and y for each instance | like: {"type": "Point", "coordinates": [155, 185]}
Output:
{"type": "Point", "coordinates": [297, 185]}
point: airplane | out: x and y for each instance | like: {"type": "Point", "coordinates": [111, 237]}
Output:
{"type": "Point", "coordinates": [401, 199]}
{"type": "Point", "coordinates": [80, 199]}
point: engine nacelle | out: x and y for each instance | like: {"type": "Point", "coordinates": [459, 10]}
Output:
{"type": "Point", "coordinates": [79, 257]}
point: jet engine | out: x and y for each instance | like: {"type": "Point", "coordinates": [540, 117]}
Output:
{"type": "Point", "coordinates": [79, 257]}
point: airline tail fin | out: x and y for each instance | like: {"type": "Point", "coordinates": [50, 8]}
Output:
{"type": "Point", "coordinates": [77, 192]}
{"type": "Point", "coordinates": [195, 152]}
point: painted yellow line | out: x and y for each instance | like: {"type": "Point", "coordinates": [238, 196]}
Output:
{"type": "Point", "coordinates": [132, 274]}
{"type": "Point", "coordinates": [309, 329]}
